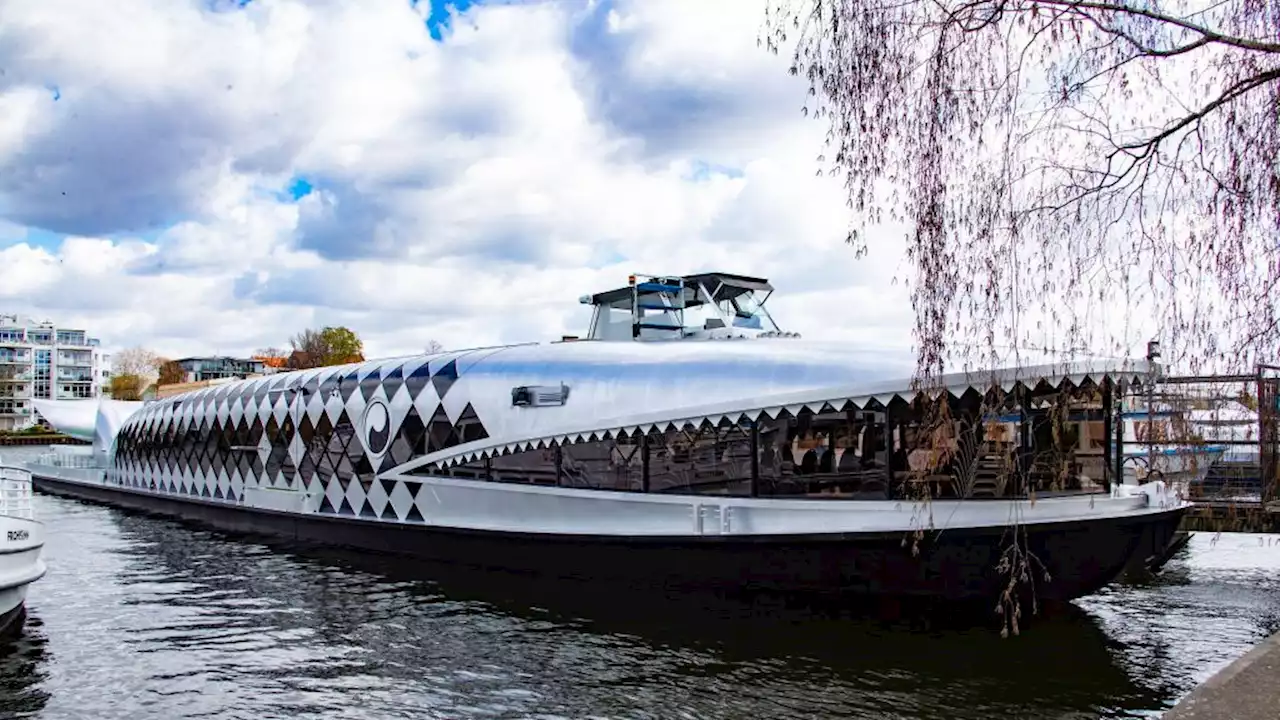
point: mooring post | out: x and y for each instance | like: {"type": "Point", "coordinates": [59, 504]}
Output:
{"type": "Point", "coordinates": [888, 453]}
{"type": "Point", "coordinates": [1023, 457]}
{"type": "Point", "coordinates": [1119, 423]}
{"type": "Point", "coordinates": [1107, 419]}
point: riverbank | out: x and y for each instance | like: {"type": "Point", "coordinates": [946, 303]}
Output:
{"type": "Point", "coordinates": [1247, 689]}
{"type": "Point", "coordinates": [22, 438]}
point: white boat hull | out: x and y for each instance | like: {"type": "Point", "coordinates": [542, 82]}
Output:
{"type": "Point", "coordinates": [1179, 466]}
{"type": "Point", "coordinates": [21, 545]}
{"type": "Point", "coordinates": [852, 548]}
{"type": "Point", "coordinates": [21, 563]}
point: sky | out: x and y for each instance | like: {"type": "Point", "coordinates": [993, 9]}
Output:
{"type": "Point", "coordinates": [212, 176]}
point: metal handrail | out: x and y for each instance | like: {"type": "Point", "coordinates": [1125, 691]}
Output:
{"type": "Point", "coordinates": [55, 459]}
{"type": "Point", "coordinates": [15, 492]}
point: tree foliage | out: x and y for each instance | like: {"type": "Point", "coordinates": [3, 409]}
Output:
{"type": "Point", "coordinates": [127, 386]}
{"type": "Point", "coordinates": [170, 373]}
{"type": "Point", "coordinates": [1069, 174]}
{"type": "Point", "coordinates": [138, 362]}
{"type": "Point", "coordinates": [1058, 161]}
{"type": "Point", "coordinates": [272, 357]}
{"type": "Point", "coordinates": [343, 345]}
{"type": "Point", "coordinates": [327, 346]}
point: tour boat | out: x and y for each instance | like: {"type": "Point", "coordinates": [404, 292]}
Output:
{"type": "Point", "coordinates": [686, 440]}
{"type": "Point", "coordinates": [22, 538]}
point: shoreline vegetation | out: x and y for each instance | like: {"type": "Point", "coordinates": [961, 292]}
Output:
{"type": "Point", "coordinates": [37, 436]}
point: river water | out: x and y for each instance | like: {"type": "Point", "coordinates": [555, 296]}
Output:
{"type": "Point", "coordinates": [142, 617]}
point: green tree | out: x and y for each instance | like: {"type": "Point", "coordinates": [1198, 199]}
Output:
{"type": "Point", "coordinates": [343, 345]}
{"type": "Point", "coordinates": [327, 346]}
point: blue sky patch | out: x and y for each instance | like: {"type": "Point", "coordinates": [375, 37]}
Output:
{"type": "Point", "coordinates": [44, 239]}
{"type": "Point", "coordinates": [299, 188]}
{"type": "Point", "coordinates": [226, 5]}
{"type": "Point", "coordinates": [438, 20]}
{"type": "Point", "coordinates": [703, 170]}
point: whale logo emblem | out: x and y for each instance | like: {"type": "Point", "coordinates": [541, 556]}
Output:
{"type": "Point", "coordinates": [377, 427]}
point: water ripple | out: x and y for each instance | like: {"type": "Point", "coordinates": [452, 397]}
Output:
{"type": "Point", "coordinates": [144, 617]}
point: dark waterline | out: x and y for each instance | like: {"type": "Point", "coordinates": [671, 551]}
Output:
{"type": "Point", "coordinates": [144, 617]}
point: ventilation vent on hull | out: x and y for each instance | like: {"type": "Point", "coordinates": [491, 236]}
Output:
{"type": "Point", "coordinates": [539, 395]}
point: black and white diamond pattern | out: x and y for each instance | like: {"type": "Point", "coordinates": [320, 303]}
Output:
{"type": "Point", "coordinates": [302, 431]}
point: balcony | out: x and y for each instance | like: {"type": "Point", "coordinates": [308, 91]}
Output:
{"type": "Point", "coordinates": [15, 377]}
{"type": "Point", "coordinates": [15, 359]}
{"type": "Point", "coordinates": [76, 360]}
{"type": "Point", "coordinates": [19, 394]}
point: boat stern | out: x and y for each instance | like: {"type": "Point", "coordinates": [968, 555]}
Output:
{"type": "Point", "coordinates": [21, 544]}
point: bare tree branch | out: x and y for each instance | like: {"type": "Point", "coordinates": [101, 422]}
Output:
{"type": "Point", "coordinates": [1055, 158]}
{"type": "Point", "coordinates": [1208, 35]}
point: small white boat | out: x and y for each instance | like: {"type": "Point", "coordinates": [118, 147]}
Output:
{"type": "Point", "coordinates": [1179, 464]}
{"type": "Point", "coordinates": [21, 545]}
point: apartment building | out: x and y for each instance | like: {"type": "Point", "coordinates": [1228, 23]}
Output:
{"type": "Point", "coordinates": [42, 360]}
{"type": "Point", "coordinates": [201, 369]}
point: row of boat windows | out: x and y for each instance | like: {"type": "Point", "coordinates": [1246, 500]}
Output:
{"type": "Point", "coordinates": [706, 459]}
{"type": "Point", "coordinates": [829, 454]}
{"type": "Point", "coordinates": [255, 448]}
{"type": "Point", "coordinates": [713, 460]}
{"type": "Point", "coordinates": [804, 455]}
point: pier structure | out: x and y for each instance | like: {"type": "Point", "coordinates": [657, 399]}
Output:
{"type": "Point", "coordinates": [1247, 689]}
{"type": "Point", "coordinates": [1240, 415]}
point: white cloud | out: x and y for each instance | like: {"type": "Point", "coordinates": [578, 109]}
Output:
{"type": "Point", "coordinates": [466, 191]}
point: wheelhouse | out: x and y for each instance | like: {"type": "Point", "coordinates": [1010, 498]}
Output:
{"type": "Point", "coordinates": [700, 306]}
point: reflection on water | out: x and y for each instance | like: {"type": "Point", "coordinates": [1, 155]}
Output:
{"type": "Point", "coordinates": [23, 670]}
{"type": "Point", "coordinates": [144, 617]}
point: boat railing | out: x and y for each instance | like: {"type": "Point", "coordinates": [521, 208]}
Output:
{"type": "Point", "coordinates": [64, 460]}
{"type": "Point", "coordinates": [15, 492]}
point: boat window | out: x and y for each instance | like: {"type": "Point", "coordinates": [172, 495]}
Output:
{"type": "Point", "coordinates": [706, 460]}
{"type": "Point", "coordinates": [612, 322]}
{"type": "Point", "coordinates": [748, 312]}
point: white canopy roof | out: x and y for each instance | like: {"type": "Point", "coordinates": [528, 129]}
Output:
{"type": "Point", "coordinates": [95, 420]}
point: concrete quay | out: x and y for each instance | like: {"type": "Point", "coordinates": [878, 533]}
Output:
{"type": "Point", "coordinates": [1247, 689]}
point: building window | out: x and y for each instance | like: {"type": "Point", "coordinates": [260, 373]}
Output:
{"type": "Point", "coordinates": [42, 388]}
{"type": "Point", "coordinates": [71, 337]}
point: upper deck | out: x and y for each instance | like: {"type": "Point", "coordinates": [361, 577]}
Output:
{"type": "Point", "coordinates": [702, 306]}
